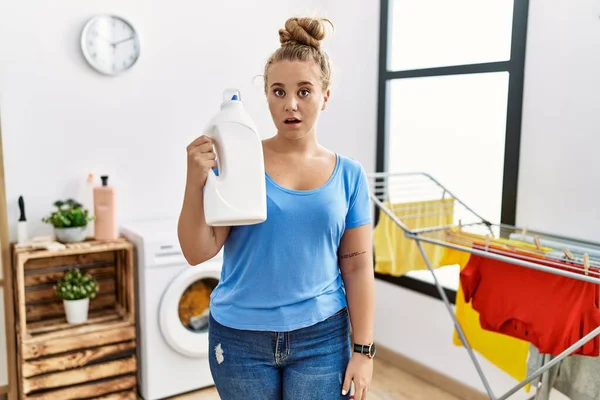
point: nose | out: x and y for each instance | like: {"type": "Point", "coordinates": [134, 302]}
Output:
{"type": "Point", "coordinates": [291, 104]}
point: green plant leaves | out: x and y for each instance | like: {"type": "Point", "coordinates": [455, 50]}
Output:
{"type": "Point", "coordinates": [68, 214]}
{"type": "Point", "coordinates": [75, 285]}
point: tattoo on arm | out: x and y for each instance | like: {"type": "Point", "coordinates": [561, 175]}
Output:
{"type": "Point", "coordinates": [356, 253]}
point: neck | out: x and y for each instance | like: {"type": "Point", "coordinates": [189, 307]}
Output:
{"type": "Point", "coordinates": [304, 145]}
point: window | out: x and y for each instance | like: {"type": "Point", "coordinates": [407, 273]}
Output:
{"type": "Point", "coordinates": [450, 100]}
{"type": "Point", "coordinates": [438, 33]}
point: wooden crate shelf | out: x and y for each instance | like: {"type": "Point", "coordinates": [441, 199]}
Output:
{"type": "Point", "coordinates": [58, 360]}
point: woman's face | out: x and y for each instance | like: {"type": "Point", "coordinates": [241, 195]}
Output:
{"type": "Point", "coordinates": [296, 97]}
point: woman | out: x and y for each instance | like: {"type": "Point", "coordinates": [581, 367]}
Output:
{"type": "Point", "coordinates": [290, 286]}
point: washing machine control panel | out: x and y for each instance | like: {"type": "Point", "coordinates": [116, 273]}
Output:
{"type": "Point", "coordinates": [162, 253]}
{"type": "Point", "coordinates": [167, 252]}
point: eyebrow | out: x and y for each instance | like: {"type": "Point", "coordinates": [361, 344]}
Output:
{"type": "Point", "coordinates": [301, 83]}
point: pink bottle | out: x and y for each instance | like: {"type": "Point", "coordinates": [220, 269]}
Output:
{"type": "Point", "coordinates": [105, 225]}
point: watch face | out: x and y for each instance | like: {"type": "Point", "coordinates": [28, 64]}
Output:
{"type": "Point", "coordinates": [372, 350]}
{"type": "Point", "coordinates": [110, 44]}
{"type": "Point", "coordinates": [366, 349]}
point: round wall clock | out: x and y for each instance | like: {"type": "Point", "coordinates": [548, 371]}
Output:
{"type": "Point", "coordinates": [110, 44]}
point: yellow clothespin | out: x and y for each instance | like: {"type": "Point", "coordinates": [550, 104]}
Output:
{"type": "Point", "coordinates": [586, 263]}
{"type": "Point", "coordinates": [568, 254]}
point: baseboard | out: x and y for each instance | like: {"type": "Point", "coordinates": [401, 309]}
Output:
{"type": "Point", "coordinates": [429, 375]}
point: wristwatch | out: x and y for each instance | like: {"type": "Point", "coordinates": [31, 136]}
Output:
{"type": "Point", "coordinates": [368, 349]}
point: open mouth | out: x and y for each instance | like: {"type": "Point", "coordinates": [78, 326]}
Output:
{"type": "Point", "coordinates": [291, 121]}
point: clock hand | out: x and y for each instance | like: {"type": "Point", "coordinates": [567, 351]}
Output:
{"type": "Point", "coordinates": [105, 39]}
{"type": "Point", "coordinates": [122, 41]}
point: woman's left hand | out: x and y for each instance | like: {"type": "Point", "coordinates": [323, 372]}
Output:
{"type": "Point", "coordinates": [359, 371]}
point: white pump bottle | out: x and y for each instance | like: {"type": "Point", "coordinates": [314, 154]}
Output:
{"type": "Point", "coordinates": [237, 195]}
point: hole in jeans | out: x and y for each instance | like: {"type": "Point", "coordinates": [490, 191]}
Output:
{"type": "Point", "coordinates": [219, 353]}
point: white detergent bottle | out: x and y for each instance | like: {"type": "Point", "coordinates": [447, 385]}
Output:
{"type": "Point", "coordinates": [236, 195]}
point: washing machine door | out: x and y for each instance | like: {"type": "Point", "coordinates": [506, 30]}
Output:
{"type": "Point", "coordinates": [184, 309]}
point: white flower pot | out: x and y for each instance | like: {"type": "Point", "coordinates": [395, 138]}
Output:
{"type": "Point", "coordinates": [71, 235]}
{"type": "Point", "coordinates": [76, 310]}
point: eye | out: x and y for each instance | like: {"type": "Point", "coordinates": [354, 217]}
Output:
{"type": "Point", "coordinates": [279, 92]}
{"type": "Point", "coordinates": [304, 92]}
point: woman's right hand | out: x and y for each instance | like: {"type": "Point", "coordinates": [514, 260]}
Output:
{"type": "Point", "coordinates": [201, 159]}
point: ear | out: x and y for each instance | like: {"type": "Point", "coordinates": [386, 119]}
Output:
{"type": "Point", "coordinates": [326, 99]}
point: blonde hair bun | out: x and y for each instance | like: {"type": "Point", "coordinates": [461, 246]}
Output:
{"type": "Point", "coordinates": [304, 31]}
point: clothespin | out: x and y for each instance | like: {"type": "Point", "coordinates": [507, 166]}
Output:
{"type": "Point", "coordinates": [536, 240]}
{"type": "Point", "coordinates": [487, 242]}
{"type": "Point", "coordinates": [586, 263]}
{"type": "Point", "coordinates": [568, 254]}
{"type": "Point", "coordinates": [523, 233]}
{"type": "Point", "coordinates": [460, 225]}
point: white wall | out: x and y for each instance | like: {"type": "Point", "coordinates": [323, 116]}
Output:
{"type": "Point", "coordinates": [559, 174]}
{"type": "Point", "coordinates": [52, 102]}
{"type": "Point", "coordinates": [62, 120]}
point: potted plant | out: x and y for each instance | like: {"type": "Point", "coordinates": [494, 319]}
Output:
{"type": "Point", "coordinates": [70, 221]}
{"type": "Point", "coordinates": [76, 289]}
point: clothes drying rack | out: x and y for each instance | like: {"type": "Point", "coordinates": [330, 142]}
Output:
{"type": "Point", "coordinates": [388, 188]}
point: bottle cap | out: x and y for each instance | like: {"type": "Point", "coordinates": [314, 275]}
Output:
{"type": "Point", "coordinates": [231, 95]}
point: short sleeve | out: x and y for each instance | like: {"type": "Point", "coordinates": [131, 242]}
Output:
{"type": "Point", "coordinates": [470, 277]}
{"type": "Point", "coordinates": [359, 210]}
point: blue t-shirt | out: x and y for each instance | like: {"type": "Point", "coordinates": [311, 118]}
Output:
{"type": "Point", "coordinates": [283, 274]}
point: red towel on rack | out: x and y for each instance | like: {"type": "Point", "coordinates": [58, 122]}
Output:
{"type": "Point", "coordinates": [548, 310]}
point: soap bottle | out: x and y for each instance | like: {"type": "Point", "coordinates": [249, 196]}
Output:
{"type": "Point", "coordinates": [237, 195]}
{"type": "Point", "coordinates": [105, 224]}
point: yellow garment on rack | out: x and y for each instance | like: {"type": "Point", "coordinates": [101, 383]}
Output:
{"type": "Point", "coordinates": [395, 254]}
{"type": "Point", "coordinates": [507, 353]}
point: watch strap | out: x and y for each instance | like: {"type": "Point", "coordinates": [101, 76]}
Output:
{"type": "Point", "coordinates": [364, 349]}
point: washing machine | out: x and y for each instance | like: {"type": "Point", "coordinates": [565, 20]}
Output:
{"type": "Point", "coordinates": [172, 311]}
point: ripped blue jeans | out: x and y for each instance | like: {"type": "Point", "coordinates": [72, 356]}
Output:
{"type": "Point", "coordinates": [307, 363]}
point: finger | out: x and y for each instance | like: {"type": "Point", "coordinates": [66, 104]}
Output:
{"type": "Point", "coordinates": [357, 392]}
{"type": "Point", "coordinates": [346, 385]}
{"type": "Point", "coordinates": [206, 156]}
{"type": "Point", "coordinates": [202, 148]}
{"type": "Point", "coordinates": [205, 164]}
{"type": "Point", "coordinates": [361, 391]}
{"type": "Point", "coordinates": [200, 140]}
{"type": "Point", "coordinates": [210, 164]}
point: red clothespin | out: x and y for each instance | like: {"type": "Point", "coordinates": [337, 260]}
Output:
{"type": "Point", "coordinates": [586, 263]}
